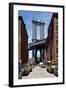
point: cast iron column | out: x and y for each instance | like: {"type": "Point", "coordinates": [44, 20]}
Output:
{"type": "Point", "coordinates": [35, 55]}
{"type": "Point", "coordinates": [45, 56]}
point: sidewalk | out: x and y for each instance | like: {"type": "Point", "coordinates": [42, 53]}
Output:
{"type": "Point", "coordinates": [38, 72]}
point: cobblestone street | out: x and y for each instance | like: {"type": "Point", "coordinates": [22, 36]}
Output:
{"type": "Point", "coordinates": [38, 72]}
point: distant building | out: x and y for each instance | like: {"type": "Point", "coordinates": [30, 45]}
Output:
{"type": "Point", "coordinates": [22, 42]}
{"type": "Point", "coordinates": [52, 40]}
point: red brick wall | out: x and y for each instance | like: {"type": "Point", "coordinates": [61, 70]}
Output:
{"type": "Point", "coordinates": [24, 45]}
{"type": "Point", "coordinates": [52, 44]}
{"type": "Point", "coordinates": [19, 39]}
{"type": "Point", "coordinates": [22, 42]}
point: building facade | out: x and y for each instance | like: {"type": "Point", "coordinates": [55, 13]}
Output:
{"type": "Point", "coordinates": [52, 40]}
{"type": "Point", "coordinates": [22, 42]}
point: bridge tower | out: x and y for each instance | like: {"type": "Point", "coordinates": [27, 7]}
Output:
{"type": "Point", "coordinates": [37, 36]}
{"type": "Point", "coordinates": [35, 24]}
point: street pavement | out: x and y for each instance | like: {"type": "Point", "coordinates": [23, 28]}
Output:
{"type": "Point", "coordinates": [39, 72]}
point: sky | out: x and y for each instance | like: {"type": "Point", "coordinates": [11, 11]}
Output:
{"type": "Point", "coordinates": [27, 18]}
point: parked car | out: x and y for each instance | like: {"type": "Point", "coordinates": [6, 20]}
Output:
{"type": "Point", "coordinates": [41, 64]}
{"type": "Point", "coordinates": [31, 63]}
{"type": "Point", "coordinates": [24, 69]}
{"type": "Point", "coordinates": [50, 69]}
{"type": "Point", "coordinates": [29, 67]}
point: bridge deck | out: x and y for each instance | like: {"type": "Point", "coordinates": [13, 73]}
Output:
{"type": "Point", "coordinates": [37, 44]}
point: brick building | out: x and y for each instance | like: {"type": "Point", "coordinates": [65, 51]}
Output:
{"type": "Point", "coordinates": [52, 40]}
{"type": "Point", "coordinates": [22, 42]}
